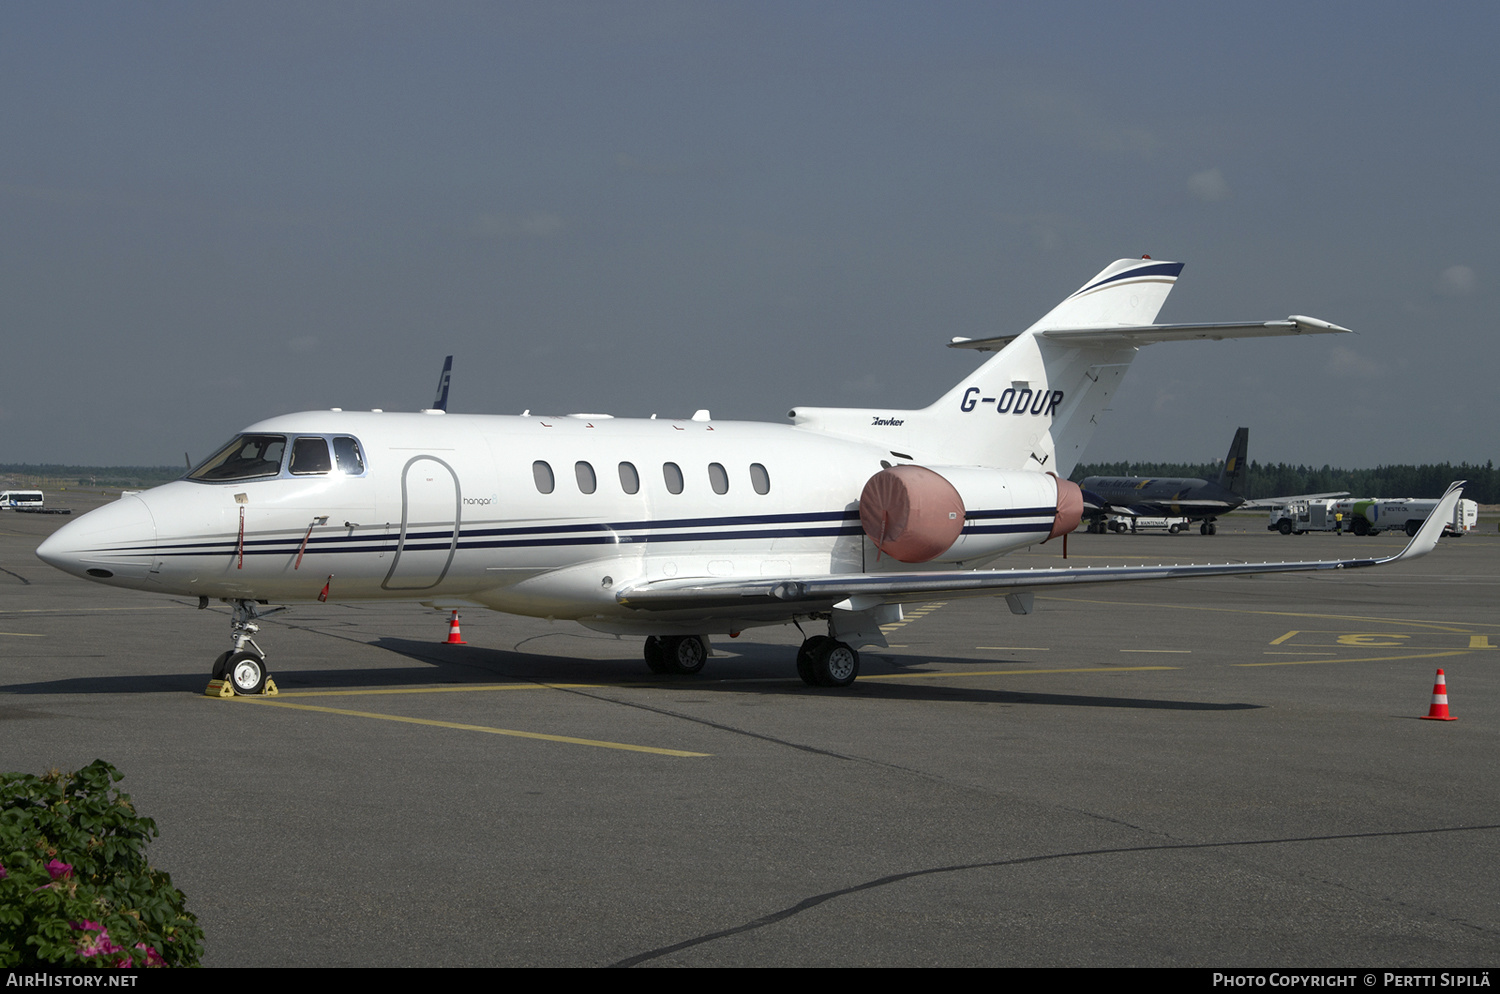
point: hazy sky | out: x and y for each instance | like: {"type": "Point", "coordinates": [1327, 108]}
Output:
{"type": "Point", "coordinates": [211, 213]}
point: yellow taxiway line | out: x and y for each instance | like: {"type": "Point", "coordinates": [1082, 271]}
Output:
{"type": "Point", "coordinates": [963, 673]}
{"type": "Point", "coordinates": [566, 739]}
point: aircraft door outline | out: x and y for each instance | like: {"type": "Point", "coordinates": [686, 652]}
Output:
{"type": "Point", "coordinates": [430, 497]}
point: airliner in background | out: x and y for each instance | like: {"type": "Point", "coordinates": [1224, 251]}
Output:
{"type": "Point", "coordinates": [670, 529]}
{"type": "Point", "coordinates": [1130, 497]}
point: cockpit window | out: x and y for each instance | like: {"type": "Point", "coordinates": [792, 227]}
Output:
{"type": "Point", "coordinates": [346, 450]}
{"type": "Point", "coordinates": [244, 458]}
{"type": "Point", "coordinates": [310, 455]}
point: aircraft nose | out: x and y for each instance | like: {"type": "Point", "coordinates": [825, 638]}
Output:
{"type": "Point", "coordinates": [118, 539]}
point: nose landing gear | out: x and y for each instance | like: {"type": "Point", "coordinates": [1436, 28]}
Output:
{"type": "Point", "coordinates": [241, 672]}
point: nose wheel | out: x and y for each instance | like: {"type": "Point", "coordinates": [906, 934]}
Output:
{"type": "Point", "coordinates": [247, 673]}
{"type": "Point", "coordinates": [241, 672]}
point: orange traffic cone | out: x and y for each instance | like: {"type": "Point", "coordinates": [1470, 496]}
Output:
{"type": "Point", "coordinates": [1439, 709]}
{"type": "Point", "coordinates": [454, 637]}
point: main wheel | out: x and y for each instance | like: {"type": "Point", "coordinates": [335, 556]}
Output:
{"type": "Point", "coordinates": [246, 672]}
{"type": "Point", "coordinates": [1203, 528]}
{"type": "Point", "coordinates": [684, 653]}
{"type": "Point", "coordinates": [1213, 529]}
{"type": "Point", "coordinates": [805, 653]}
{"type": "Point", "coordinates": [656, 660]}
{"type": "Point", "coordinates": [835, 664]}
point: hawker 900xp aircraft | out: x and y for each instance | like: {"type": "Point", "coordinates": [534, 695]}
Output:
{"type": "Point", "coordinates": [674, 530]}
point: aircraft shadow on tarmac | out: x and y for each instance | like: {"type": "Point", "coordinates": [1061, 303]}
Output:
{"type": "Point", "coordinates": [754, 670]}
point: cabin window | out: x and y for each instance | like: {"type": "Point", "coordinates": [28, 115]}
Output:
{"type": "Point", "coordinates": [310, 455]}
{"type": "Point", "coordinates": [759, 478]}
{"type": "Point", "coordinates": [672, 473]}
{"type": "Point", "coordinates": [542, 474]}
{"type": "Point", "coordinates": [346, 453]}
{"type": "Point", "coordinates": [244, 458]}
{"type": "Point", "coordinates": [630, 480]}
{"type": "Point", "coordinates": [587, 481]}
{"type": "Point", "coordinates": [718, 478]}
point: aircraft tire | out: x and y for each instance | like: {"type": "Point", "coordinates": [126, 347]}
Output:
{"type": "Point", "coordinates": [835, 664]}
{"type": "Point", "coordinates": [684, 654]}
{"type": "Point", "coordinates": [219, 664]}
{"type": "Point", "coordinates": [805, 653]}
{"type": "Point", "coordinates": [1213, 529]}
{"type": "Point", "coordinates": [656, 661]}
{"type": "Point", "coordinates": [246, 672]}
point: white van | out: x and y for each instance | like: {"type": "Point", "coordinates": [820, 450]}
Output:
{"type": "Point", "coordinates": [21, 498]}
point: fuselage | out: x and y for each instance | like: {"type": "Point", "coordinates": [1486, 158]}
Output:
{"type": "Point", "coordinates": [1159, 496]}
{"type": "Point", "coordinates": [541, 516]}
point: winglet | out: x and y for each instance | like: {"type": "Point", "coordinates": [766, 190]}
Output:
{"type": "Point", "coordinates": [1426, 538]}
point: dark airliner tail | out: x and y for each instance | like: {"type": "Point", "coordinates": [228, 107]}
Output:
{"type": "Point", "coordinates": [1236, 471]}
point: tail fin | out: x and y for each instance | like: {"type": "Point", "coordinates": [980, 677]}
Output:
{"type": "Point", "coordinates": [1236, 472]}
{"type": "Point", "coordinates": [1127, 293]}
{"type": "Point", "coordinates": [1035, 404]}
{"type": "Point", "coordinates": [440, 402]}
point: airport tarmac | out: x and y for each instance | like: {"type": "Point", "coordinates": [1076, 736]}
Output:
{"type": "Point", "coordinates": [1221, 772]}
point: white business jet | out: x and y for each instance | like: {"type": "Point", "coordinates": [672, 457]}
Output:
{"type": "Point", "coordinates": [670, 529]}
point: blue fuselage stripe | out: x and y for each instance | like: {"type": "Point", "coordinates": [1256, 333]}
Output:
{"type": "Point", "coordinates": [719, 529]}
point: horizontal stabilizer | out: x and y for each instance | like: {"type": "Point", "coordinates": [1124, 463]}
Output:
{"type": "Point", "coordinates": [1148, 334]}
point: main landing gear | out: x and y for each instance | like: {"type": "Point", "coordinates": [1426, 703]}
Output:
{"type": "Point", "coordinates": [822, 661]}
{"type": "Point", "coordinates": [676, 653]}
{"type": "Point", "coordinates": [242, 670]}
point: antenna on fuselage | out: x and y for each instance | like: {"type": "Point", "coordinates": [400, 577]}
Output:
{"type": "Point", "coordinates": [441, 403]}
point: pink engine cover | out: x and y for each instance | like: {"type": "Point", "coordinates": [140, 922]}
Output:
{"type": "Point", "coordinates": [1069, 506]}
{"type": "Point", "coordinates": [911, 513]}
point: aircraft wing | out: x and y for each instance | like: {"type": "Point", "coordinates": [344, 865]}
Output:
{"type": "Point", "coordinates": [1147, 334]}
{"type": "Point", "coordinates": [1266, 503]}
{"type": "Point", "coordinates": [868, 589]}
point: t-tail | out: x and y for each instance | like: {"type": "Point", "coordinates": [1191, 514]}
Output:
{"type": "Point", "coordinates": [1235, 474]}
{"type": "Point", "coordinates": [1036, 403]}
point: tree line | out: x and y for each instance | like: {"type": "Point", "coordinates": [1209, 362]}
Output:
{"type": "Point", "coordinates": [41, 474]}
{"type": "Point", "coordinates": [1284, 479]}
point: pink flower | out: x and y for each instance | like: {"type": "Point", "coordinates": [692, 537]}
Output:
{"type": "Point", "coordinates": [96, 945]}
{"type": "Point", "coordinates": [59, 870]}
{"type": "Point", "coordinates": [152, 957]}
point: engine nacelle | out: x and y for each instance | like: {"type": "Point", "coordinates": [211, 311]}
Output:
{"type": "Point", "coordinates": [916, 515]}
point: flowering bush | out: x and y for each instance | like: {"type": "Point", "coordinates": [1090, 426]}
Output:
{"type": "Point", "coordinates": [75, 887]}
